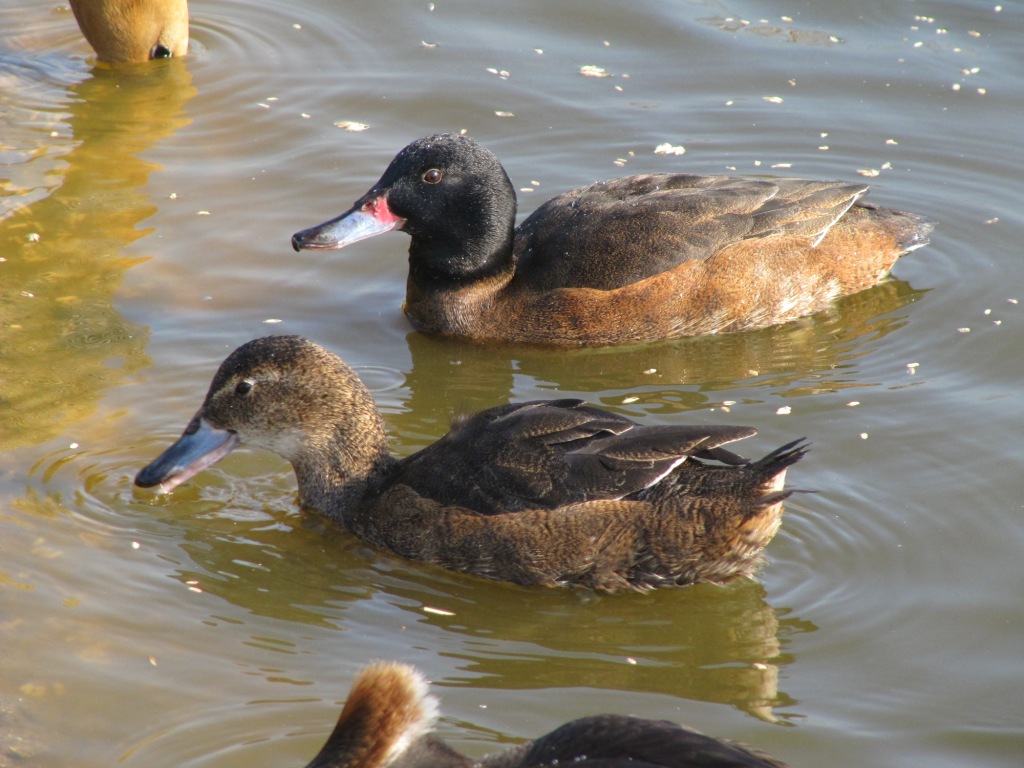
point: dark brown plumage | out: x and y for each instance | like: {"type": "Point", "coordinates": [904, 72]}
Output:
{"type": "Point", "coordinates": [628, 260]}
{"type": "Point", "coordinates": [387, 719]}
{"type": "Point", "coordinates": [545, 492]}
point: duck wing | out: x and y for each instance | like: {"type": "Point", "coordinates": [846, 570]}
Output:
{"type": "Point", "coordinates": [547, 454]}
{"type": "Point", "coordinates": [614, 233]}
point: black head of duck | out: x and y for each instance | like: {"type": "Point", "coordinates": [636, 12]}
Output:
{"type": "Point", "coordinates": [545, 492]}
{"type": "Point", "coordinates": [134, 30]}
{"type": "Point", "coordinates": [629, 260]}
{"type": "Point", "coordinates": [389, 714]}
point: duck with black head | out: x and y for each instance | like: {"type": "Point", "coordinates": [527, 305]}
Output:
{"type": "Point", "coordinates": [544, 492]}
{"type": "Point", "coordinates": [389, 714]}
{"type": "Point", "coordinates": [134, 30]}
{"type": "Point", "coordinates": [629, 260]}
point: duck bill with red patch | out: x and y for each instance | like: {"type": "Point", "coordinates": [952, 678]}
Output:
{"type": "Point", "coordinates": [200, 446]}
{"type": "Point", "coordinates": [369, 217]}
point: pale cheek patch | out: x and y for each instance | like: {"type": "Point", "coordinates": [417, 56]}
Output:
{"type": "Point", "coordinates": [289, 444]}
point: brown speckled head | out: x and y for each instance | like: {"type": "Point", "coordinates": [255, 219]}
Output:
{"type": "Point", "coordinates": [292, 397]}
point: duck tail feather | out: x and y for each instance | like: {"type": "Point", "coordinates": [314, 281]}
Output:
{"type": "Point", "coordinates": [784, 456]}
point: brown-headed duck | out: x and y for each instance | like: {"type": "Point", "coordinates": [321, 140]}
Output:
{"type": "Point", "coordinates": [389, 715]}
{"type": "Point", "coordinates": [134, 30]}
{"type": "Point", "coordinates": [629, 260]}
{"type": "Point", "coordinates": [545, 492]}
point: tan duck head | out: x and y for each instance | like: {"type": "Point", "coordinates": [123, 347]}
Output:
{"type": "Point", "coordinates": [544, 492]}
{"type": "Point", "coordinates": [389, 713]}
{"type": "Point", "coordinates": [629, 260]}
{"type": "Point", "coordinates": [134, 30]}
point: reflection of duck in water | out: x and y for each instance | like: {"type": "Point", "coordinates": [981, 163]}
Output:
{"type": "Point", "coordinates": [545, 492]}
{"type": "Point", "coordinates": [134, 30]}
{"type": "Point", "coordinates": [628, 260]}
{"type": "Point", "coordinates": [389, 713]}
{"type": "Point", "coordinates": [85, 195]}
{"type": "Point", "coordinates": [815, 354]}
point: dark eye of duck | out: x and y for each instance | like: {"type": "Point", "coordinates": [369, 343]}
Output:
{"type": "Point", "coordinates": [243, 388]}
{"type": "Point", "coordinates": [433, 176]}
{"type": "Point", "coordinates": [160, 52]}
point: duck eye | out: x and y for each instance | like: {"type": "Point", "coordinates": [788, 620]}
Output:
{"type": "Point", "coordinates": [243, 387]}
{"type": "Point", "coordinates": [433, 176]}
{"type": "Point", "coordinates": [160, 51]}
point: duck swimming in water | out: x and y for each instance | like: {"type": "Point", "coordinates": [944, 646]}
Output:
{"type": "Point", "coordinates": [387, 719]}
{"type": "Point", "coordinates": [545, 492]}
{"type": "Point", "coordinates": [134, 30]}
{"type": "Point", "coordinates": [629, 260]}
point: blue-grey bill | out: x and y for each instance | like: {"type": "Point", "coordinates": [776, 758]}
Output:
{"type": "Point", "coordinates": [198, 448]}
{"type": "Point", "coordinates": [358, 224]}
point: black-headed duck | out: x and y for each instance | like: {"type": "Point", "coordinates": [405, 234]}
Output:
{"type": "Point", "coordinates": [134, 30]}
{"type": "Point", "coordinates": [629, 260]}
{"type": "Point", "coordinates": [389, 715]}
{"type": "Point", "coordinates": [545, 492]}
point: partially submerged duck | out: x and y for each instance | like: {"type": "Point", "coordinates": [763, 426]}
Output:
{"type": "Point", "coordinates": [389, 714]}
{"type": "Point", "coordinates": [629, 260]}
{"type": "Point", "coordinates": [544, 492]}
{"type": "Point", "coordinates": [134, 30]}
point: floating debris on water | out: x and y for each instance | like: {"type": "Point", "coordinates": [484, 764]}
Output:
{"type": "Point", "coordinates": [351, 125]}
{"type": "Point", "coordinates": [669, 149]}
{"type": "Point", "coordinates": [437, 611]}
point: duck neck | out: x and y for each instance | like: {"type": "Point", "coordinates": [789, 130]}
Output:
{"type": "Point", "coordinates": [452, 286]}
{"type": "Point", "coordinates": [477, 251]}
{"type": "Point", "coordinates": [461, 308]}
{"type": "Point", "coordinates": [338, 467]}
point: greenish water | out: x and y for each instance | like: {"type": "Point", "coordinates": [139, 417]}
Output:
{"type": "Point", "coordinates": [145, 222]}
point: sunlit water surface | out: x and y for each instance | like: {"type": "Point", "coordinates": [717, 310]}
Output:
{"type": "Point", "coordinates": [144, 222]}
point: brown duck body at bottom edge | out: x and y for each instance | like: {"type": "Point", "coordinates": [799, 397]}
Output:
{"type": "Point", "coordinates": [545, 492]}
{"type": "Point", "coordinates": [389, 715]}
{"type": "Point", "coordinates": [628, 260]}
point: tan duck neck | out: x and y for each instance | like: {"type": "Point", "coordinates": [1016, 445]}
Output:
{"type": "Point", "coordinates": [337, 469]}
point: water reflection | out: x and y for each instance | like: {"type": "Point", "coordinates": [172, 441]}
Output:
{"type": "Point", "coordinates": [62, 342]}
{"type": "Point", "coordinates": [720, 645]}
{"type": "Point", "coordinates": [716, 644]}
{"type": "Point", "coordinates": [813, 355]}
